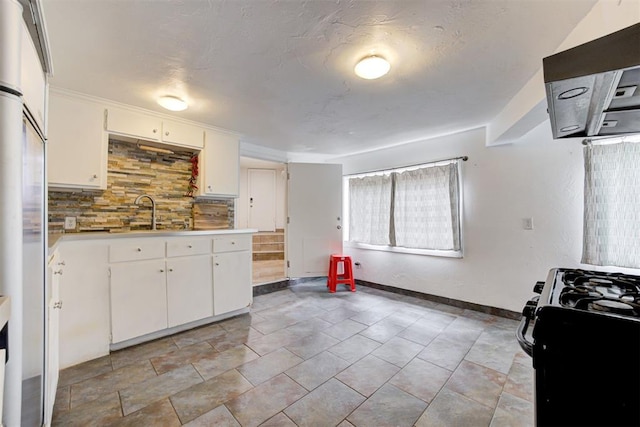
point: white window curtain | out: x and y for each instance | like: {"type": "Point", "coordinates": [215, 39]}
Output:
{"type": "Point", "coordinates": [370, 209]}
{"type": "Point", "coordinates": [612, 205]}
{"type": "Point", "coordinates": [426, 205]}
{"type": "Point", "coordinates": [417, 208]}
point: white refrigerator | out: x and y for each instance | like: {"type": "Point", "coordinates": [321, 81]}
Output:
{"type": "Point", "coordinates": [23, 226]}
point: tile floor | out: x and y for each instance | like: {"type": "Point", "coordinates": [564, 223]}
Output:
{"type": "Point", "coordinates": [304, 357]}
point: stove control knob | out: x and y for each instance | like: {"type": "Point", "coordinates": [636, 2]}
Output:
{"type": "Point", "coordinates": [537, 288]}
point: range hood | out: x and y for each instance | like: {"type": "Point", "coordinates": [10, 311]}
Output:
{"type": "Point", "coordinates": [593, 90]}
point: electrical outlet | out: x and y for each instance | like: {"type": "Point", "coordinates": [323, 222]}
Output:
{"type": "Point", "coordinates": [69, 222]}
{"type": "Point", "coordinates": [358, 265]}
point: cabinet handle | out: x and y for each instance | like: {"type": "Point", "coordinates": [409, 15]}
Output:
{"type": "Point", "coordinates": [217, 263]}
{"type": "Point", "coordinates": [58, 272]}
{"type": "Point", "coordinates": [95, 175]}
{"type": "Point", "coordinates": [61, 263]}
{"type": "Point", "coordinates": [190, 246]}
{"type": "Point", "coordinates": [209, 187]}
{"type": "Point", "coordinates": [166, 133]}
{"type": "Point", "coordinates": [139, 249]}
{"type": "Point", "coordinates": [57, 305]}
{"type": "Point", "coordinates": [155, 130]}
{"type": "Point", "coordinates": [170, 270]}
{"type": "Point", "coordinates": [233, 243]}
{"type": "Point", "coordinates": [161, 271]}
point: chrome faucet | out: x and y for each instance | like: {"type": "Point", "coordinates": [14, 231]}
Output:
{"type": "Point", "coordinates": [153, 208]}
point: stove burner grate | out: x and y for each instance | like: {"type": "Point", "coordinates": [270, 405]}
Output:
{"type": "Point", "coordinates": [602, 292]}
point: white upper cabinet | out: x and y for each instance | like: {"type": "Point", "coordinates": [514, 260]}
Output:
{"type": "Point", "coordinates": [76, 146]}
{"type": "Point", "coordinates": [182, 134]}
{"type": "Point", "coordinates": [220, 165]}
{"type": "Point", "coordinates": [135, 124]}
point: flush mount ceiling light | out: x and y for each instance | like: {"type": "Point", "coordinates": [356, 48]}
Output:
{"type": "Point", "coordinates": [172, 103]}
{"type": "Point", "coordinates": [372, 67]}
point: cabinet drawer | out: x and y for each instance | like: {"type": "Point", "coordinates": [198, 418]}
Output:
{"type": "Point", "coordinates": [136, 250]}
{"type": "Point", "coordinates": [231, 243]}
{"type": "Point", "coordinates": [186, 247]}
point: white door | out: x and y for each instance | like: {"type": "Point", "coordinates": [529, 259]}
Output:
{"type": "Point", "coordinates": [262, 199]}
{"type": "Point", "coordinates": [315, 213]}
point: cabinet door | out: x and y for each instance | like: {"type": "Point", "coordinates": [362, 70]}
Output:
{"type": "Point", "coordinates": [232, 288]}
{"type": "Point", "coordinates": [52, 365]}
{"type": "Point", "coordinates": [220, 164]}
{"type": "Point", "coordinates": [182, 134]}
{"type": "Point", "coordinates": [138, 299]}
{"type": "Point", "coordinates": [77, 147]}
{"type": "Point", "coordinates": [85, 320]}
{"type": "Point", "coordinates": [189, 289]}
{"type": "Point", "coordinates": [133, 124]}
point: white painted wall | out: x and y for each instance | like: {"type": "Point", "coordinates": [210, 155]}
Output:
{"type": "Point", "coordinates": [242, 203]}
{"type": "Point", "coordinates": [537, 177]}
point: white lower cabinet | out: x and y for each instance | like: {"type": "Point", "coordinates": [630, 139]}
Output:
{"type": "Point", "coordinates": [231, 273]}
{"type": "Point", "coordinates": [232, 288]}
{"type": "Point", "coordinates": [138, 298]}
{"type": "Point", "coordinates": [189, 291]}
{"type": "Point", "coordinates": [120, 291]}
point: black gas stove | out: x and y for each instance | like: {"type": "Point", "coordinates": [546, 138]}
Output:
{"type": "Point", "coordinates": [585, 330]}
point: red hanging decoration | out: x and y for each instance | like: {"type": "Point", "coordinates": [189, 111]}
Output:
{"type": "Point", "coordinates": [194, 176]}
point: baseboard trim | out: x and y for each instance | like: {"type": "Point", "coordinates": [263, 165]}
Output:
{"type": "Point", "coordinates": [267, 288]}
{"type": "Point", "coordinates": [501, 312]}
{"type": "Point", "coordinates": [279, 285]}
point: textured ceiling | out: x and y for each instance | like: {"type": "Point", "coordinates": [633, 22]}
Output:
{"type": "Point", "coordinates": [281, 72]}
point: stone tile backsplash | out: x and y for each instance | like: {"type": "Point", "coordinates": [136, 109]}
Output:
{"type": "Point", "coordinates": [132, 172]}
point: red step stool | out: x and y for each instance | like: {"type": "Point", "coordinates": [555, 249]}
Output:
{"type": "Point", "coordinates": [333, 278]}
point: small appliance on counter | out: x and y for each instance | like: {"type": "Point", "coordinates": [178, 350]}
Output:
{"type": "Point", "coordinates": [585, 348]}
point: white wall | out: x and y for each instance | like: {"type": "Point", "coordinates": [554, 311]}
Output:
{"type": "Point", "coordinates": [537, 177]}
{"type": "Point", "coordinates": [242, 203]}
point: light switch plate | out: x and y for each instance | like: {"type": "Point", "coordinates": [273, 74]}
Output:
{"type": "Point", "coordinates": [69, 222]}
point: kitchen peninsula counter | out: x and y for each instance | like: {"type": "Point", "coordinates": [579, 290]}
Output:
{"type": "Point", "coordinates": [126, 288]}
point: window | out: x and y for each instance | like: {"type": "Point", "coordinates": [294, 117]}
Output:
{"type": "Point", "coordinates": [415, 209]}
{"type": "Point", "coordinates": [612, 203]}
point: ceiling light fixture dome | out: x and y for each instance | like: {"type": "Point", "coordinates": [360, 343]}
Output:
{"type": "Point", "coordinates": [372, 67]}
{"type": "Point", "coordinates": [172, 103]}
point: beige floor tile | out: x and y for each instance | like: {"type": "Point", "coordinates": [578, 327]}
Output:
{"type": "Point", "coordinates": [159, 414]}
{"type": "Point", "coordinates": [145, 393]}
{"type": "Point", "coordinates": [218, 417]}
{"type": "Point", "coordinates": [265, 400]}
{"type": "Point", "coordinates": [400, 409]}
{"type": "Point", "coordinates": [109, 382]}
{"type": "Point", "coordinates": [327, 405]}
{"type": "Point", "coordinates": [203, 397]}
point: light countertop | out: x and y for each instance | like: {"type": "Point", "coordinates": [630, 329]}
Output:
{"type": "Point", "coordinates": [56, 238]}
